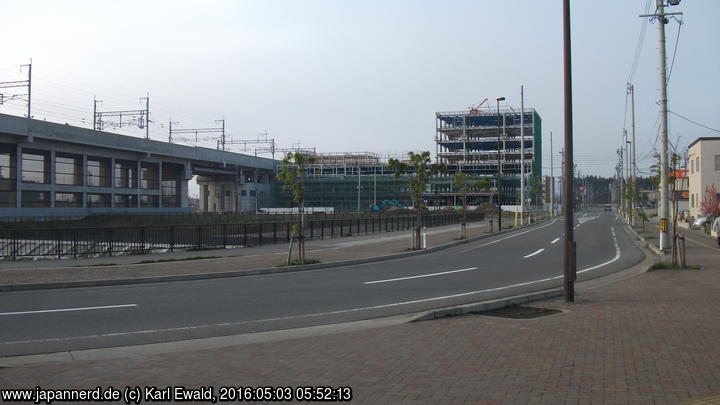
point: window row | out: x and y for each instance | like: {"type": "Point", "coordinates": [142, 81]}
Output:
{"type": "Point", "coordinates": [41, 199]}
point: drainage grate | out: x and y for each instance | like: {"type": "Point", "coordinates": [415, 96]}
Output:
{"type": "Point", "coordinates": [519, 312]}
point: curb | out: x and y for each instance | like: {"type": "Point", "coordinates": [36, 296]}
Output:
{"type": "Point", "coordinates": [243, 273]}
{"type": "Point", "coordinates": [644, 241]}
{"type": "Point", "coordinates": [487, 305]}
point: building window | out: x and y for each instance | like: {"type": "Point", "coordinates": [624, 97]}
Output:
{"type": "Point", "coordinates": [125, 201]}
{"type": "Point", "coordinates": [8, 176]}
{"type": "Point", "coordinates": [68, 200]}
{"type": "Point", "coordinates": [692, 200]}
{"type": "Point", "coordinates": [98, 172]}
{"type": "Point", "coordinates": [68, 169]}
{"type": "Point", "coordinates": [252, 193]}
{"type": "Point", "coordinates": [35, 199]}
{"type": "Point", "coordinates": [717, 162]}
{"type": "Point", "coordinates": [98, 201]}
{"type": "Point", "coordinates": [172, 178]}
{"type": "Point", "coordinates": [243, 193]}
{"type": "Point", "coordinates": [149, 201]}
{"type": "Point", "coordinates": [126, 174]}
{"type": "Point", "coordinates": [697, 164]}
{"type": "Point", "coordinates": [36, 166]}
{"type": "Point", "coordinates": [149, 176]}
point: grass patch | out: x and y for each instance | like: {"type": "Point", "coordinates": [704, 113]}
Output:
{"type": "Point", "coordinates": [296, 262]}
{"type": "Point", "coordinates": [196, 249]}
{"type": "Point", "coordinates": [96, 265]}
{"type": "Point", "coordinates": [670, 266]}
{"type": "Point", "coordinates": [178, 260]}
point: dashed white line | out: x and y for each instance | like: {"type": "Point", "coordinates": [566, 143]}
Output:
{"type": "Point", "coordinates": [537, 252]}
{"type": "Point", "coordinates": [420, 276]}
{"type": "Point", "coordinates": [508, 237]}
{"type": "Point", "coordinates": [42, 311]}
{"type": "Point", "coordinates": [554, 240]}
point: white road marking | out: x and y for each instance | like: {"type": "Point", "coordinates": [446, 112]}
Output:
{"type": "Point", "coordinates": [508, 237]}
{"type": "Point", "coordinates": [533, 253]}
{"type": "Point", "coordinates": [555, 240]}
{"type": "Point", "coordinates": [67, 309]}
{"type": "Point", "coordinates": [420, 276]}
{"type": "Point", "coordinates": [318, 314]}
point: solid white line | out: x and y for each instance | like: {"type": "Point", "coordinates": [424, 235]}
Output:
{"type": "Point", "coordinates": [508, 237]}
{"type": "Point", "coordinates": [533, 253]}
{"type": "Point", "coordinates": [420, 276]}
{"type": "Point", "coordinates": [318, 314]}
{"type": "Point", "coordinates": [67, 309]}
{"type": "Point", "coordinates": [555, 240]}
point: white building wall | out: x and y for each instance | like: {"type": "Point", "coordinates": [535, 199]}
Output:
{"type": "Point", "coordinates": [704, 171]}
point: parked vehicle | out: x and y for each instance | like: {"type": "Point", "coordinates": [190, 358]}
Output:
{"type": "Point", "coordinates": [700, 221]}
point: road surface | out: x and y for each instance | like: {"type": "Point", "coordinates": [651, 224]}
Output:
{"type": "Point", "coordinates": [516, 262]}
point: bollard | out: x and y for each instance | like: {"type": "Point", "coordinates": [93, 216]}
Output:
{"type": "Point", "coordinates": [490, 225]}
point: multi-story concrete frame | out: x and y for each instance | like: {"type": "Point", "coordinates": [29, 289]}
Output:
{"type": "Point", "coordinates": [49, 169]}
{"type": "Point", "coordinates": [704, 165]}
{"type": "Point", "coordinates": [468, 140]}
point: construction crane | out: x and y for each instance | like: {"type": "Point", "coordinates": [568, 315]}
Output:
{"type": "Point", "coordinates": [476, 108]}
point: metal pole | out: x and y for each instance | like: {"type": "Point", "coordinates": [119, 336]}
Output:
{"type": "Point", "coordinates": [358, 187]}
{"type": "Point", "coordinates": [94, 114]}
{"type": "Point", "coordinates": [522, 158]}
{"type": "Point", "coordinates": [498, 182]}
{"type": "Point", "coordinates": [569, 259]}
{"type": "Point", "coordinates": [147, 117]}
{"type": "Point", "coordinates": [633, 171]}
{"type": "Point", "coordinates": [552, 179]}
{"type": "Point", "coordinates": [29, 113]}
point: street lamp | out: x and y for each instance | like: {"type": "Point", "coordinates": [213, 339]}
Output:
{"type": "Point", "coordinates": [498, 183]}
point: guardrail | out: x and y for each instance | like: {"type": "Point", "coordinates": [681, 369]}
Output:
{"type": "Point", "coordinates": [91, 242]}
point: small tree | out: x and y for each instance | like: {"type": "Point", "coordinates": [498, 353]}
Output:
{"type": "Point", "coordinates": [292, 174]}
{"type": "Point", "coordinates": [418, 169]}
{"type": "Point", "coordinates": [709, 204]}
{"type": "Point", "coordinates": [461, 183]}
{"type": "Point", "coordinates": [535, 189]}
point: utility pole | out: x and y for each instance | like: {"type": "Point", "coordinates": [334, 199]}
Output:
{"type": "Point", "coordinates": [358, 187]}
{"type": "Point", "coordinates": [569, 262]}
{"type": "Point", "coordinates": [552, 180]}
{"type": "Point", "coordinates": [29, 65]}
{"type": "Point", "coordinates": [147, 115]}
{"type": "Point", "coordinates": [633, 170]}
{"type": "Point", "coordinates": [498, 183]}
{"type": "Point", "coordinates": [522, 158]}
{"type": "Point", "coordinates": [660, 15]}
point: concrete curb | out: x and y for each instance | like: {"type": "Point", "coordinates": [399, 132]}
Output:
{"type": "Point", "coordinates": [644, 241]}
{"type": "Point", "coordinates": [487, 305]}
{"type": "Point", "coordinates": [242, 273]}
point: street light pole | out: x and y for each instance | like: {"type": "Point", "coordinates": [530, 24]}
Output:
{"type": "Point", "coordinates": [498, 183]}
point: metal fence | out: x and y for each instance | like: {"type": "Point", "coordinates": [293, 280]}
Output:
{"type": "Point", "coordinates": [90, 242]}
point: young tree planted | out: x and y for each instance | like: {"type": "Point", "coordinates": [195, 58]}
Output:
{"type": "Point", "coordinates": [292, 174]}
{"type": "Point", "coordinates": [418, 169]}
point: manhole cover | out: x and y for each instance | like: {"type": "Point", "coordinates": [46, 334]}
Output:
{"type": "Point", "coordinates": [519, 312]}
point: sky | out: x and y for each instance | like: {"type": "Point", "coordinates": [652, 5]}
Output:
{"type": "Point", "coordinates": [366, 75]}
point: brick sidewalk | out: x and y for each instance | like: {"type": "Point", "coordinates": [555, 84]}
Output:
{"type": "Point", "coordinates": [650, 339]}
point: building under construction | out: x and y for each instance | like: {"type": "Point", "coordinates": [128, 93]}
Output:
{"type": "Point", "coordinates": [475, 142]}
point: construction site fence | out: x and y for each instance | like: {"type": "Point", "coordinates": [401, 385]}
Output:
{"type": "Point", "coordinates": [98, 241]}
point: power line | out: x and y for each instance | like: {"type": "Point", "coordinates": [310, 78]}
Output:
{"type": "Point", "coordinates": [696, 123]}
{"type": "Point", "coordinates": [639, 45]}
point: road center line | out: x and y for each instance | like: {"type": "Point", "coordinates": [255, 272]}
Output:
{"type": "Point", "coordinates": [67, 309]}
{"type": "Point", "coordinates": [555, 240]}
{"type": "Point", "coordinates": [533, 253]}
{"type": "Point", "coordinates": [420, 276]}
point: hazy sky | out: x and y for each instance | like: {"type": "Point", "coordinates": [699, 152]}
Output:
{"type": "Point", "coordinates": [363, 75]}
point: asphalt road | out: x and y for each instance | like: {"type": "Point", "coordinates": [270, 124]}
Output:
{"type": "Point", "coordinates": [524, 260]}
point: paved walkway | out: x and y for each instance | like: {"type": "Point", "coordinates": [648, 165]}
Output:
{"type": "Point", "coordinates": [649, 339]}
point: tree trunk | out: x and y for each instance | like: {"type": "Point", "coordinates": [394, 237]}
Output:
{"type": "Point", "coordinates": [289, 256]}
{"type": "Point", "coordinates": [418, 226]}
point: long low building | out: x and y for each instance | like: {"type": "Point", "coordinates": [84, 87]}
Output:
{"type": "Point", "coordinates": [50, 169]}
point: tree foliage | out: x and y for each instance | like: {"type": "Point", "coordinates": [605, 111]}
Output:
{"type": "Point", "coordinates": [710, 204]}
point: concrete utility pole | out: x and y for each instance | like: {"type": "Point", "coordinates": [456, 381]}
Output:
{"type": "Point", "coordinates": [569, 263]}
{"type": "Point", "coordinates": [633, 167]}
{"type": "Point", "coordinates": [522, 157]}
{"type": "Point", "coordinates": [552, 180]}
{"type": "Point", "coordinates": [660, 15]}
